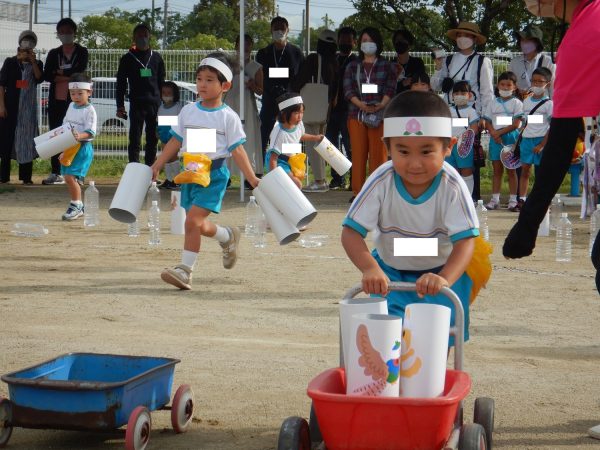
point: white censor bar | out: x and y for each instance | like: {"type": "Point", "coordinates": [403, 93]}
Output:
{"type": "Point", "coordinates": [169, 121]}
{"type": "Point", "coordinates": [369, 88]}
{"type": "Point", "coordinates": [535, 118]}
{"type": "Point", "coordinates": [291, 148]}
{"type": "Point", "coordinates": [279, 72]}
{"type": "Point", "coordinates": [415, 247]}
{"type": "Point", "coordinates": [201, 140]}
{"type": "Point", "coordinates": [460, 122]}
{"type": "Point", "coordinates": [504, 120]}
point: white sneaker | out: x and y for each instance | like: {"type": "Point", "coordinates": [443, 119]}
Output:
{"type": "Point", "coordinates": [594, 432]}
{"type": "Point", "coordinates": [180, 276]}
{"type": "Point", "coordinates": [54, 179]}
{"type": "Point", "coordinates": [230, 248]}
{"type": "Point", "coordinates": [316, 187]}
{"type": "Point", "coordinates": [73, 212]}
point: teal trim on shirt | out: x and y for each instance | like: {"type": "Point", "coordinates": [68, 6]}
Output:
{"type": "Point", "coordinates": [424, 196]}
{"type": "Point", "coordinates": [93, 133]}
{"type": "Point", "coordinates": [287, 130]}
{"type": "Point", "coordinates": [202, 108]}
{"type": "Point", "coordinates": [348, 222]}
{"type": "Point", "coordinates": [473, 232]}
{"type": "Point", "coordinates": [76, 106]}
{"type": "Point", "coordinates": [234, 146]}
{"type": "Point", "coordinates": [175, 135]}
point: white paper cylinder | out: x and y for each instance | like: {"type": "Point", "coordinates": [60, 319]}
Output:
{"type": "Point", "coordinates": [287, 198]}
{"type": "Point", "coordinates": [131, 192]}
{"type": "Point", "coordinates": [374, 349]}
{"type": "Point", "coordinates": [350, 307]}
{"type": "Point", "coordinates": [177, 214]}
{"type": "Point", "coordinates": [284, 231]}
{"type": "Point", "coordinates": [424, 350]}
{"type": "Point", "coordinates": [54, 141]}
{"type": "Point", "coordinates": [333, 156]}
{"type": "Point", "coordinates": [544, 229]}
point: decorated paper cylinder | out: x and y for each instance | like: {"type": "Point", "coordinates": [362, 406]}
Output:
{"type": "Point", "coordinates": [333, 156]}
{"type": "Point", "coordinates": [544, 229]}
{"type": "Point", "coordinates": [424, 350]}
{"type": "Point", "coordinates": [54, 141]}
{"type": "Point", "coordinates": [287, 198]}
{"type": "Point", "coordinates": [177, 214]}
{"type": "Point", "coordinates": [374, 356]}
{"type": "Point", "coordinates": [350, 307]}
{"type": "Point", "coordinates": [131, 192]}
{"type": "Point", "coordinates": [284, 231]}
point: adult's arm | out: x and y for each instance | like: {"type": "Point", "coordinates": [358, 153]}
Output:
{"type": "Point", "coordinates": [51, 66]}
{"type": "Point", "coordinates": [486, 86]}
{"type": "Point", "coordinates": [162, 73]}
{"type": "Point", "coordinates": [441, 72]}
{"type": "Point", "coordinates": [121, 83]}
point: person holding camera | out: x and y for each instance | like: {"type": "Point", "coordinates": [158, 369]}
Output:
{"type": "Point", "coordinates": [408, 66]}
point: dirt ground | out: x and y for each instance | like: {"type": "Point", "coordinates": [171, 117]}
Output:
{"type": "Point", "coordinates": [250, 339]}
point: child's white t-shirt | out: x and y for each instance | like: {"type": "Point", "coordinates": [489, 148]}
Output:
{"type": "Point", "coordinates": [545, 111]}
{"type": "Point", "coordinates": [229, 130]}
{"type": "Point", "coordinates": [82, 118]}
{"type": "Point", "coordinates": [513, 107]}
{"type": "Point", "coordinates": [281, 135]}
{"type": "Point", "coordinates": [445, 211]}
{"type": "Point", "coordinates": [466, 112]}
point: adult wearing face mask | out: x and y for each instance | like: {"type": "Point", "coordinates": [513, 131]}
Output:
{"type": "Point", "coordinates": [369, 84]}
{"type": "Point", "coordinates": [61, 63]}
{"type": "Point", "coordinates": [408, 65]}
{"type": "Point", "coordinates": [530, 42]}
{"type": "Point", "coordinates": [280, 54]}
{"type": "Point", "coordinates": [19, 78]}
{"type": "Point", "coordinates": [143, 70]}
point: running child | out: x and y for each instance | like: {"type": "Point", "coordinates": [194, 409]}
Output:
{"type": "Point", "coordinates": [213, 79]}
{"type": "Point", "coordinates": [169, 106]}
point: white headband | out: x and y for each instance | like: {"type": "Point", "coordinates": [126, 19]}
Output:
{"type": "Point", "coordinates": [417, 126]}
{"type": "Point", "coordinates": [219, 65]}
{"type": "Point", "coordinates": [290, 102]}
{"type": "Point", "coordinates": [80, 85]}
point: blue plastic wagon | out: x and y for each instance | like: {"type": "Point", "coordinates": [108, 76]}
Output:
{"type": "Point", "coordinates": [87, 391]}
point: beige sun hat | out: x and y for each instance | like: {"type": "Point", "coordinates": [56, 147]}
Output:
{"type": "Point", "coordinates": [467, 27]}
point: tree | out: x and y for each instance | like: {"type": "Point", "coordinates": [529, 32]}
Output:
{"type": "Point", "coordinates": [202, 42]}
{"type": "Point", "coordinates": [254, 9]}
{"type": "Point", "coordinates": [218, 20]}
{"type": "Point", "coordinates": [105, 32]}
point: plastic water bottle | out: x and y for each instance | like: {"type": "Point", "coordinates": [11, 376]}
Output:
{"type": "Point", "coordinates": [253, 213]}
{"type": "Point", "coordinates": [564, 234]}
{"type": "Point", "coordinates": [29, 230]}
{"type": "Point", "coordinates": [153, 195]}
{"type": "Point", "coordinates": [133, 229]}
{"type": "Point", "coordinates": [482, 215]}
{"type": "Point", "coordinates": [594, 226]}
{"type": "Point", "coordinates": [260, 240]}
{"type": "Point", "coordinates": [154, 227]}
{"type": "Point", "coordinates": [91, 202]}
{"type": "Point", "coordinates": [556, 209]}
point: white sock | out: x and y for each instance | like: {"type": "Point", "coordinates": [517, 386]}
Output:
{"type": "Point", "coordinates": [524, 198]}
{"type": "Point", "coordinates": [189, 258]}
{"type": "Point", "coordinates": [496, 197]}
{"type": "Point", "coordinates": [470, 182]}
{"type": "Point", "coordinates": [512, 198]}
{"type": "Point", "coordinates": [77, 202]}
{"type": "Point", "coordinates": [222, 235]}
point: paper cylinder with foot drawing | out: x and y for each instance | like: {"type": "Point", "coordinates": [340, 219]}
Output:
{"type": "Point", "coordinates": [177, 214]}
{"type": "Point", "coordinates": [424, 350]}
{"type": "Point", "coordinates": [333, 156]}
{"type": "Point", "coordinates": [131, 192]}
{"type": "Point", "coordinates": [284, 231]}
{"type": "Point", "coordinates": [284, 195]}
{"type": "Point", "coordinates": [374, 356]}
{"type": "Point", "coordinates": [55, 141]}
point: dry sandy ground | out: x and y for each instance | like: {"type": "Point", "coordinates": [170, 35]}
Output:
{"type": "Point", "coordinates": [250, 339]}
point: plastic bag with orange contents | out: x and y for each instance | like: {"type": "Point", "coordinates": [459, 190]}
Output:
{"type": "Point", "coordinates": [196, 169]}
{"type": "Point", "coordinates": [479, 269]}
{"type": "Point", "coordinates": [297, 163]}
{"type": "Point", "coordinates": [67, 157]}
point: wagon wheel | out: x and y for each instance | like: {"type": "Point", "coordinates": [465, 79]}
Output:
{"type": "Point", "coordinates": [294, 435]}
{"type": "Point", "coordinates": [472, 437]}
{"type": "Point", "coordinates": [484, 416]}
{"type": "Point", "coordinates": [182, 410]}
{"type": "Point", "coordinates": [5, 421]}
{"type": "Point", "coordinates": [139, 425]}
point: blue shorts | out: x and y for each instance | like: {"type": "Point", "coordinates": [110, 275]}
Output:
{"type": "Point", "coordinates": [280, 163]}
{"type": "Point", "coordinates": [527, 154]}
{"type": "Point", "coordinates": [460, 163]}
{"type": "Point", "coordinates": [209, 197]}
{"type": "Point", "coordinates": [398, 300]}
{"type": "Point", "coordinates": [507, 139]}
{"type": "Point", "coordinates": [81, 163]}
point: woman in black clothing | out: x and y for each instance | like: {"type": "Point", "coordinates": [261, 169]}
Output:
{"type": "Point", "coordinates": [408, 65]}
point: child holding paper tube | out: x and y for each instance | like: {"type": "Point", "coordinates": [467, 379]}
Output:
{"type": "Point", "coordinates": [289, 130]}
{"type": "Point", "coordinates": [417, 195]}
{"type": "Point", "coordinates": [75, 161]}
{"type": "Point", "coordinates": [205, 176]}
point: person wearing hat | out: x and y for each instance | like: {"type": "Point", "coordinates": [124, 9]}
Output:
{"type": "Point", "coordinates": [308, 72]}
{"type": "Point", "coordinates": [530, 42]}
{"type": "Point", "coordinates": [19, 78]}
{"type": "Point", "coordinates": [61, 63]}
{"type": "Point", "coordinates": [408, 66]}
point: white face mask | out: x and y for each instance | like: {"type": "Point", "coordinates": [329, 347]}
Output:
{"type": "Point", "coordinates": [368, 48]}
{"type": "Point", "coordinates": [66, 38]}
{"type": "Point", "coordinates": [461, 100]}
{"type": "Point", "coordinates": [528, 47]}
{"type": "Point", "coordinates": [505, 94]}
{"type": "Point", "coordinates": [167, 99]}
{"type": "Point", "coordinates": [538, 90]}
{"type": "Point", "coordinates": [279, 35]}
{"type": "Point", "coordinates": [26, 44]}
{"type": "Point", "coordinates": [465, 42]}
{"type": "Point", "coordinates": [540, 8]}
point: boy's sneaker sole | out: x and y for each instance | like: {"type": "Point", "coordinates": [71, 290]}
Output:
{"type": "Point", "coordinates": [171, 276]}
{"type": "Point", "coordinates": [230, 254]}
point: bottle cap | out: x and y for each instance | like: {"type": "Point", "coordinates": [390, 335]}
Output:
{"type": "Point", "coordinates": [598, 206]}
{"type": "Point", "coordinates": [92, 183]}
{"type": "Point", "coordinates": [564, 214]}
{"type": "Point", "coordinates": [480, 202]}
{"type": "Point", "coordinates": [153, 183]}
{"type": "Point", "coordinates": [252, 197]}
{"type": "Point", "coordinates": [154, 203]}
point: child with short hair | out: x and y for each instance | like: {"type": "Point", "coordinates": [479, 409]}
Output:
{"type": "Point", "coordinates": [506, 104]}
{"type": "Point", "coordinates": [462, 110]}
{"type": "Point", "coordinates": [76, 162]}
{"type": "Point", "coordinates": [535, 135]}
{"type": "Point", "coordinates": [288, 129]}
{"type": "Point", "coordinates": [169, 106]}
{"type": "Point", "coordinates": [213, 79]}
{"type": "Point", "coordinates": [415, 195]}
{"type": "Point", "coordinates": [420, 82]}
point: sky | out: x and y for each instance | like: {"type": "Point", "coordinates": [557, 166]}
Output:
{"type": "Point", "coordinates": [337, 10]}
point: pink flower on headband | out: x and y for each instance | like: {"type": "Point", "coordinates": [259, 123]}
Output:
{"type": "Point", "coordinates": [413, 126]}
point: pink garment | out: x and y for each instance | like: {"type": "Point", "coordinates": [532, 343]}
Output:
{"type": "Point", "coordinates": [576, 88]}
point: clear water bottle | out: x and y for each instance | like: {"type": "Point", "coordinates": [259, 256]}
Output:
{"type": "Point", "coordinates": [253, 213]}
{"type": "Point", "coordinates": [260, 240]}
{"type": "Point", "coordinates": [154, 227]}
{"type": "Point", "coordinates": [91, 205]}
{"type": "Point", "coordinates": [153, 195]}
{"type": "Point", "coordinates": [556, 209]}
{"type": "Point", "coordinates": [29, 230]}
{"type": "Point", "coordinates": [564, 235]}
{"type": "Point", "coordinates": [133, 229]}
{"type": "Point", "coordinates": [594, 226]}
{"type": "Point", "coordinates": [482, 216]}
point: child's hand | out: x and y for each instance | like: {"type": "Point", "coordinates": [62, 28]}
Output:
{"type": "Point", "coordinates": [375, 281]}
{"type": "Point", "coordinates": [60, 157]}
{"type": "Point", "coordinates": [430, 284]}
{"type": "Point", "coordinates": [155, 170]}
{"type": "Point", "coordinates": [296, 181]}
{"type": "Point", "coordinates": [537, 149]}
{"type": "Point", "coordinates": [319, 137]}
{"type": "Point", "coordinates": [76, 135]}
{"type": "Point", "coordinates": [254, 181]}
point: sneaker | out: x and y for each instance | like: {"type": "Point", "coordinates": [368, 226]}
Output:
{"type": "Point", "coordinates": [54, 179]}
{"type": "Point", "coordinates": [492, 204]}
{"type": "Point", "coordinates": [180, 276]}
{"type": "Point", "coordinates": [594, 432]}
{"type": "Point", "coordinates": [316, 187]}
{"type": "Point", "coordinates": [73, 212]}
{"type": "Point", "coordinates": [513, 206]}
{"type": "Point", "coordinates": [337, 184]}
{"type": "Point", "coordinates": [230, 247]}
{"type": "Point", "coordinates": [168, 184]}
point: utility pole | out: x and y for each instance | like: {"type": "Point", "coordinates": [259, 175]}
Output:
{"type": "Point", "coordinates": [326, 20]}
{"type": "Point", "coordinates": [62, 8]}
{"type": "Point", "coordinates": [152, 16]}
{"type": "Point", "coordinates": [69, 8]}
{"type": "Point", "coordinates": [164, 42]}
{"type": "Point", "coordinates": [304, 20]}
{"type": "Point", "coordinates": [307, 27]}
{"type": "Point", "coordinates": [35, 9]}
{"type": "Point", "coordinates": [31, 14]}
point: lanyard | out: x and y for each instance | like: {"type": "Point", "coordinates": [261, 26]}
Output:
{"type": "Point", "coordinates": [533, 64]}
{"type": "Point", "coordinates": [147, 62]}
{"type": "Point", "coordinates": [503, 103]}
{"type": "Point", "coordinates": [277, 61]}
{"type": "Point", "coordinates": [368, 76]}
{"type": "Point", "coordinates": [60, 59]}
{"type": "Point", "coordinates": [465, 66]}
